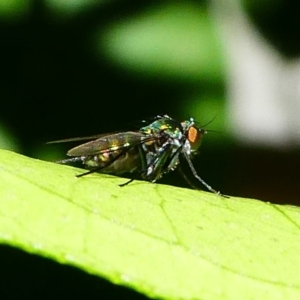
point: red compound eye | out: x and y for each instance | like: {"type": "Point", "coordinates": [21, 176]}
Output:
{"type": "Point", "coordinates": [194, 136]}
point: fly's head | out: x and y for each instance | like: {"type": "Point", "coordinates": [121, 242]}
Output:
{"type": "Point", "coordinates": [193, 136]}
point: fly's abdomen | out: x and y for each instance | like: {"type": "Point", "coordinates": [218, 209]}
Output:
{"type": "Point", "coordinates": [117, 162]}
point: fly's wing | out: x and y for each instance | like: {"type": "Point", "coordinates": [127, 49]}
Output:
{"type": "Point", "coordinates": [110, 143]}
{"type": "Point", "coordinates": [85, 138]}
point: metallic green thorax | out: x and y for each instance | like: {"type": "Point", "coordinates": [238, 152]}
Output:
{"type": "Point", "coordinates": [164, 125]}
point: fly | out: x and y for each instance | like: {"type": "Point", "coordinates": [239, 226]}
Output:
{"type": "Point", "coordinates": [150, 152]}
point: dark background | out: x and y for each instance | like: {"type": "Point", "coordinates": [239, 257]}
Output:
{"type": "Point", "coordinates": [55, 84]}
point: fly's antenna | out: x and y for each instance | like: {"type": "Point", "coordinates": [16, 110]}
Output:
{"type": "Point", "coordinates": [206, 124]}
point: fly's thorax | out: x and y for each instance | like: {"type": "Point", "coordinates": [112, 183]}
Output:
{"type": "Point", "coordinates": [162, 152]}
{"type": "Point", "coordinates": [164, 126]}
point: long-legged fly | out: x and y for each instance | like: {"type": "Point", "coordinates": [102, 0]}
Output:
{"type": "Point", "coordinates": [150, 152]}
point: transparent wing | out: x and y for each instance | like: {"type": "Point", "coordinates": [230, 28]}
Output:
{"type": "Point", "coordinates": [111, 143]}
{"type": "Point", "coordinates": [84, 138]}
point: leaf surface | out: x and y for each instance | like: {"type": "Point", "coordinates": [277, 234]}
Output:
{"type": "Point", "coordinates": [163, 241]}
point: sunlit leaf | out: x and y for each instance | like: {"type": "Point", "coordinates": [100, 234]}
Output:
{"type": "Point", "coordinates": [163, 241]}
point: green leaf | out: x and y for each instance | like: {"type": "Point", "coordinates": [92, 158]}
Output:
{"type": "Point", "coordinates": [163, 241]}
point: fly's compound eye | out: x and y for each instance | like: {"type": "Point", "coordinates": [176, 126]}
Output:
{"type": "Point", "coordinates": [194, 136]}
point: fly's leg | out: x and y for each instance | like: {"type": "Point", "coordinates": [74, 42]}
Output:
{"type": "Point", "coordinates": [70, 160]}
{"type": "Point", "coordinates": [199, 178]}
{"type": "Point", "coordinates": [127, 182]}
{"type": "Point", "coordinates": [152, 163]}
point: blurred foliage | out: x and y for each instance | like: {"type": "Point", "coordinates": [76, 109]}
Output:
{"type": "Point", "coordinates": [65, 8]}
{"type": "Point", "coordinates": [167, 40]}
{"type": "Point", "coordinates": [14, 10]}
{"type": "Point", "coordinates": [278, 21]}
{"type": "Point", "coordinates": [84, 67]}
